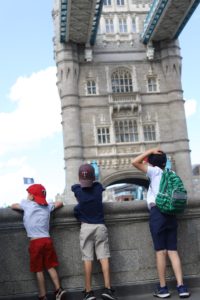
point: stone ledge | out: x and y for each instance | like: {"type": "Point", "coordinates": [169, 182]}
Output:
{"type": "Point", "coordinates": [133, 210]}
{"type": "Point", "coordinates": [132, 256]}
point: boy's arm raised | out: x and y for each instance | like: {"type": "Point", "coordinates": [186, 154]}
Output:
{"type": "Point", "coordinates": [138, 161]}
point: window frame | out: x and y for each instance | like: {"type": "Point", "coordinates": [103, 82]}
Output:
{"type": "Point", "coordinates": [126, 131]}
{"type": "Point", "coordinates": [92, 88]}
{"type": "Point", "coordinates": [123, 26]}
{"type": "Point", "coordinates": [133, 25]}
{"type": "Point", "coordinates": [152, 87]}
{"type": "Point", "coordinates": [149, 132]}
{"type": "Point", "coordinates": [107, 2]}
{"type": "Point", "coordinates": [120, 2]}
{"type": "Point", "coordinates": [121, 81]}
{"type": "Point", "coordinates": [109, 25]}
{"type": "Point", "coordinates": [103, 135]}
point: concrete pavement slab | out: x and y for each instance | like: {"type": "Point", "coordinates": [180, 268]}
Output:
{"type": "Point", "coordinates": [195, 295]}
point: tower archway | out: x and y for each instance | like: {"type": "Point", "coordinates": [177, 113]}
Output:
{"type": "Point", "coordinates": [126, 176]}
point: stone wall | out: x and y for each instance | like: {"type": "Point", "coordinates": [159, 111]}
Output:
{"type": "Point", "coordinates": [132, 261]}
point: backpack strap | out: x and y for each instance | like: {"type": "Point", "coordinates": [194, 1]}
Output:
{"type": "Point", "coordinates": [164, 181]}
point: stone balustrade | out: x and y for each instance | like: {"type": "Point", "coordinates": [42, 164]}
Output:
{"type": "Point", "coordinates": [132, 261]}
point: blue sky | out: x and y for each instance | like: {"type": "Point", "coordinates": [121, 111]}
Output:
{"type": "Point", "coordinates": [31, 143]}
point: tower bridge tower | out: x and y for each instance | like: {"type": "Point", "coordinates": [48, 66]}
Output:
{"type": "Point", "coordinates": [118, 95]}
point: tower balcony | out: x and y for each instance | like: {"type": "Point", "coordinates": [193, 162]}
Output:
{"type": "Point", "coordinates": [125, 102]}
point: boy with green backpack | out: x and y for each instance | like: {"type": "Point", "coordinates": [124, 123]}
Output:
{"type": "Point", "coordinates": [163, 226]}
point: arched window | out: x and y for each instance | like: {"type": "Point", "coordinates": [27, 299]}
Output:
{"type": "Point", "coordinates": [126, 131]}
{"type": "Point", "coordinates": [121, 81]}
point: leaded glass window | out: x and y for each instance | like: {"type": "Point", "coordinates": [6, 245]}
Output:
{"type": "Point", "coordinates": [103, 135]}
{"type": "Point", "coordinates": [152, 84]}
{"type": "Point", "coordinates": [123, 25]}
{"type": "Point", "coordinates": [109, 26]}
{"type": "Point", "coordinates": [126, 131]}
{"type": "Point", "coordinates": [91, 87]}
{"type": "Point", "coordinates": [120, 2]}
{"type": "Point", "coordinates": [149, 132]}
{"type": "Point", "coordinates": [107, 2]}
{"type": "Point", "coordinates": [121, 81]}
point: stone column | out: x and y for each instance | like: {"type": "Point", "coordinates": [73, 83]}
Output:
{"type": "Point", "coordinates": [66, 57]}
{"type": "Point", "coordinates": [179, 144]}
{"type": "Point", "coordinates": [68, 73]}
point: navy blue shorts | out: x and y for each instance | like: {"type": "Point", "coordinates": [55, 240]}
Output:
{"type": "Point", "coordinates": [163, 229]}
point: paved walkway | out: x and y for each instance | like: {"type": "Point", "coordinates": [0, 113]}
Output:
{"type": "Point", "coordinates": [195, 295]}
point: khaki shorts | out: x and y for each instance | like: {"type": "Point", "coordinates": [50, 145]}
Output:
{"type": "Point", "coordinates": [94, 237]}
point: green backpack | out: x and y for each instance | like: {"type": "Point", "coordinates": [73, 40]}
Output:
{"type": "Point", "coordinates": [172, 196]}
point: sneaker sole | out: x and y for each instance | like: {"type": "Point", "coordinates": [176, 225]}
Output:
{"type": "Point", "coordinates": [62, 296]}
{"type": "Point", "coordinates": [104, 297]}
{"type": "Point", "coordinates": [162, 296]}
{"type": "Point", "coordinates": [186, 295]}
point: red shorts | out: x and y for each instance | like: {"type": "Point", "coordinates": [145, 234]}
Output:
{"type": "Point", "coordinates": [42, 254]}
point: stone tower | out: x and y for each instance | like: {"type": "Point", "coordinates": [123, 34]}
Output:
{"type": "Point", "coordinates": [120, 97]}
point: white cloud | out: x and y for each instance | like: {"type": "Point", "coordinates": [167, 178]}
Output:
{"type": "Point", "coordinates": [37, 113]}
{"type": "Point", "coordinates": [13, 162]}
{"type": "Point", "coordinates": [190, 107]}
{"type": "Point", "coordinates": [12, 187]}
{"type": "Point", "coordinates": [12, 172]}
{"type": "Point", "coordinates": [37, 116]}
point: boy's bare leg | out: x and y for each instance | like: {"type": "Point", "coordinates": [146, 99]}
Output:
{"type": "Point", "coordinates": [54, 277]}
{"type": "Point", "coordinates": [161, 257]}
{"type": "Point", "coordinates": [88, 274]}
{"type": "Point", "coordinates": [41, 283]}
{"type": "Point", "coordinates": [176, 265]}
{"type": "Point", "coordinates": [105, 266]}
